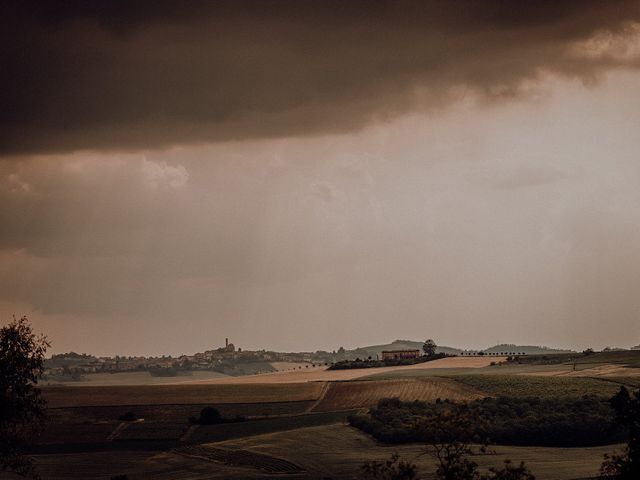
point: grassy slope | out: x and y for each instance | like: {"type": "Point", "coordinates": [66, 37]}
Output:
{"type": "Point", "coordinates": [217, 433]}
{"type": "Point", "coordinates": [334, 451]}
{"type": "Point", "coordinates": [339, 451]}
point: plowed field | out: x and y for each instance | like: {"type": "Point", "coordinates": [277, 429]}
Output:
{"type": "Point", "coordinates": [354, 394]}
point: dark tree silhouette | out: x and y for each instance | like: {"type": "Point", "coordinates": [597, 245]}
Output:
{"type": "Point", "coordinates": [209, 416]}
{"type": "Point", "coordinates": [22, 409]}
{"type": "Point", "coordinates": [429, 348]}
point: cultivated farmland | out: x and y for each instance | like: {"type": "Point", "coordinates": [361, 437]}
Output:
{"type": "Point", "coordinates": [354, 394]}
{"type": "Point", "coordinates": [180, 394]}
{"type": "Point", "coordinates": [242, 458]}
{"type": "Point", "coordinates": [295, 428]}
{"type": "Point", "coordinates": [539, 386]}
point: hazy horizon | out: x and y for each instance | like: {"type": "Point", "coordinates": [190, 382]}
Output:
{"type": "Point", "coordinates": [302, 177]}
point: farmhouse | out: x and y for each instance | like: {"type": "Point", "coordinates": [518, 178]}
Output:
{"type": "Point", "coordinates": [399, 354]}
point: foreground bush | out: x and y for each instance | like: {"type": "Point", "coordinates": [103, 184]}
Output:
{"type": "Point", "coordinates": [450, 432]}
{"type": "Point", "coordinates": [508, 421]}
{"type": "Point", "coordinates": [625, 466]}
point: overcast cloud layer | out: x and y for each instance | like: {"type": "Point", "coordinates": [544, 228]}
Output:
{"type": "Point", "coordinates": [313, 174]}
{"type": "Point", "coordinates": [121, 74]}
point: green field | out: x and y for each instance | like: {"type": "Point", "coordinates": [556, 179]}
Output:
{"type": "Point", "coordinates": [630, 358]}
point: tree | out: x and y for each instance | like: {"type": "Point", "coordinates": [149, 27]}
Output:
{"type": "Point", "coordinates": [22, 409]}
{"type": "Point", "coordinates": [453, 463]}
{"type": "Point", "coordinates": [392, 469]}
{"type": "Point", "coordinates": [627, 465]}
{"type": "Point", "coordinates": [451, 434]}
{"type": "Point", "coordinates": [429, 348]}
{"type": "Point", "coordinates": [209, 416]}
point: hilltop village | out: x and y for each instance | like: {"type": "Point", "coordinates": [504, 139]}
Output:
{"type": "Point", "coordinates": [228, 359]}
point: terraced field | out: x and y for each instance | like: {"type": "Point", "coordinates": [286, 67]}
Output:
{"type": "Point", "coordinates": [354, 394]}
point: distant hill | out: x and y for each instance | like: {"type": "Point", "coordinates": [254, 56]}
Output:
{"type": "Point", "coordinates": [637, 347]}
{"type": "Point", "coordinates": [373, 350]}
{"type": "Point", "coordinates": [526, 349]}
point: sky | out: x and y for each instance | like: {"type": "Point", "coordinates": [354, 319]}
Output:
{"type": "Point", "coordinates": [309, 175]}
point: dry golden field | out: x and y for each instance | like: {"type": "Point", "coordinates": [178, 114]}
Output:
{"type": "Point", "coordinates": [321, 374]}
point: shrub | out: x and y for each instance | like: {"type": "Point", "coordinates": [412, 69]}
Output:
{"type": "Point", "coordinates": [128, 417]}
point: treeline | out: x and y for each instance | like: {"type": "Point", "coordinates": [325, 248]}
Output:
{"type": "Point", "coordinates": [390, 362]}
{"type": "Point", "coordinates": [507, 421]}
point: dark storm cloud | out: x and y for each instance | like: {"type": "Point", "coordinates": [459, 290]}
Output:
{"type": "Point", "coordinates": [122, 75]}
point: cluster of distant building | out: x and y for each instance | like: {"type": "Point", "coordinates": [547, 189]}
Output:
{"type": "Point", "coordinates": [415, 353]}
{"type": "Point", "coordinates": [74, 364]}
{"type": "Point", "coordinates": [481, 353]}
